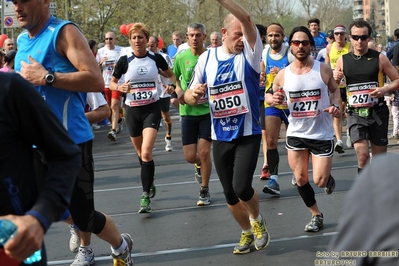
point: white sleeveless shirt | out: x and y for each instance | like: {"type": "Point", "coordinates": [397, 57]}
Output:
{"type": "Point", "coordinates": [307, 97]}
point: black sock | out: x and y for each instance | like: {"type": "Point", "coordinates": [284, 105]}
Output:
{"type": "Point", "coordinates": [273, 159]}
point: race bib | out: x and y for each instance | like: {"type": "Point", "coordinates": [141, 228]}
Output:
{"type": "Point", "coordinates": [142, 93]}
{"type": "Point", "coordinates": [304, 103]}
{"type": "Point", "coordinates": [228, 100]}
{"type": "Point", "coordinates": [359, 94]}
{"type": "Point", "coordinates": [109, 66]}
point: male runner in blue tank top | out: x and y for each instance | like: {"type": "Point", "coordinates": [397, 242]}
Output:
{"type": "Point", "coordinates": [275, 57]}
{"type": "Point", "coordinates": [54, 56]}
{"type": "Point", "coordinates": [229, 76]}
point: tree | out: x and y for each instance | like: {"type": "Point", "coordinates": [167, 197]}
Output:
{"type": "Point", "coordinates": [308, 7]}
{"type": "Point", "coordinates": [96, 17]}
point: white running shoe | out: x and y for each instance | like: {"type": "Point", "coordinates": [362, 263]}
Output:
{"type": "Point", "coordinates": [125, 259]}
{"type": "Point", "coordinates": [85, 257]}
{"type": "Point", "coordinates": [74, 241]}
{"type": "Point", "coordinates": [120, 125]}
{"type": "Point", "coordinates": [168, 146]}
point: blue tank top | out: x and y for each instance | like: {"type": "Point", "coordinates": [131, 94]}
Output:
{"type": "Point", "coordinates": [68, 106]}
{"type": "Point", "coordinates": [233, 82]}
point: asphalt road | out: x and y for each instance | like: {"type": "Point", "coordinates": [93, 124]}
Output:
{"type": "Point", "coordinates": [178, 232]}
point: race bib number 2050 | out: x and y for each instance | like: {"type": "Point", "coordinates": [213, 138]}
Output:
{"type": "Point", "coordinates": [228, 100]}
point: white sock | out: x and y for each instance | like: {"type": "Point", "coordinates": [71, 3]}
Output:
{"type": "Point", "coordinates": [119, 250]}
{"type": "Point", "coordinates": [256, 219]}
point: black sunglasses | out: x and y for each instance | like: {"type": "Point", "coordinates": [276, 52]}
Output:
{"type": "Point", "coordinates": [297, 43]}
{"type": "Point", "coordinates": [109, 39]}
{"type": "Point", "coordinates": [361, 37]}
{"type": "Point", "coordinates": [339, 33]}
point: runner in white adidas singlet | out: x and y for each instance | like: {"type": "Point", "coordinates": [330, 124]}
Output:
{"type": "Point", "coordinates": [305, 85]}
{"type": "Point", "coordinates": [143, 112]}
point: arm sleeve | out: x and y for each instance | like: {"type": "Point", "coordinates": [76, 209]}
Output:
{"type": "Point", "coordinates": [161, 62]}
{"type": "Point", "coordinates": [121, 67]}
{"type": "Point", "coordinates": [27, 110]}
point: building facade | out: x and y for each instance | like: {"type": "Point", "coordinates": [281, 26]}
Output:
{"type": "Point", "coordinates": [382, 14]}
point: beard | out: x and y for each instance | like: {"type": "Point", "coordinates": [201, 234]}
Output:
{"type": "Point", "coordinates": [276, 46]}
{"type": "Point", "coordinates": [303, 56]}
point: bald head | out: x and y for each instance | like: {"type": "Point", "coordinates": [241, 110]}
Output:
{"type": "Point", "coordinates": [110, 40]}
{"type": "Point", "coordinates": [152, 44]}
{"type": "Point", "coordinates": [8, 45]}
{"type": "Point", "coordinates": [229, 19]}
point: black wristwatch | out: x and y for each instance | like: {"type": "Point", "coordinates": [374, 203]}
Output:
{"type": "Point", "coordinates": [49, 78]}
{"type": "Point", "coordinates": [335, 105]}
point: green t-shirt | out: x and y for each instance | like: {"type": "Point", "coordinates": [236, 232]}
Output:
{"type": "Point", "coordinates": [183, 68]}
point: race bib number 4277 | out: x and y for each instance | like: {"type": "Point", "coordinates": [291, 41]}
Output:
{"type": "Point", "coordinates": [304, 103]}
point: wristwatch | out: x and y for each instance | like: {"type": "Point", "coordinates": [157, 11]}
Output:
{"type": "Point", "coordinates": [49, 78]}
{"type": "Point", "coordinates": [335, 105]}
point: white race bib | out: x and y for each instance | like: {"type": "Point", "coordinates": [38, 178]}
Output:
{"type": "Point", "coordinates": [228, 100]}
{"type": "Point", "coordinates": [142, 93]}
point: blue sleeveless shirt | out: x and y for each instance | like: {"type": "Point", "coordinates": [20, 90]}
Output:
{"type": "Point", "coordinates": [68, 106]}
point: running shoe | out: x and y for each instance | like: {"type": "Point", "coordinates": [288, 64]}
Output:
{"type": "Point", "coordinates": [339, 147]}
{"type": "Point", "coordinates": [272, 187]}
{"type": "Point", "coordinates": [145, 206]}
{"type": "Point", "coordinates": [168, 146]}
{"type": "Point", "coordinates": [120, 125]}
{"type": "Point", "coordinates": [330, 186]}
{"type": "Point", "coordinates": [265, 173]}
{"type": "Point", "coordinates": [293, 181]}
{"type": "Point", "coordinates": [104, 123]}
{"type": "Point", "coordinates": [85, 257]}
{"type": "Point", "coordinates": [112, 135]}
{"type": "Point", "coordinates": [153, 190]}
{"type": "Point", "coordinates": [261, 235]}
{"type": "Point", "coordinates": [197, 173]}
{"type": "Point", "coordinates": [125, 259]}
{"type": "Point", "coordinates": [95, 126]}
{"type": "Point", "coordinates": [315, 224]}
{"type": "Point", "coordinates": [246, 242]}
{"type": "Point", "coordinates": [204, 197]}
{"type": "Point", "coordinates": [74, 241]}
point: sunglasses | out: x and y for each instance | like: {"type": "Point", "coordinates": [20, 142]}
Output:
{"type": "Point", "coordinates": [361, 37]}
{"type": "Point", "coordinates": [339, 33]}
{"type": "Point", "coordinates": [297, 43]}
{"type": "Point", "coordinates": [109, 39]}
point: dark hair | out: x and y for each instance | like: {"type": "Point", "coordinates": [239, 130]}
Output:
{"type": "Point", "coordinates": [261, 29]}
{"type": "Point", "coordinates": [360, 24]}
{"type": "Point", "coordinates": [302, 29]}
{"type": "Point", "coordinates": [314, 20]}
{"type": "Point", "coordinates": [396, 33]}
{"type": "Point", "coordinates": [9, 56]}
{"type": "Point", "coordinates": [92, 43]}
{"type": "Point", "coordinates": [262, 32]}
